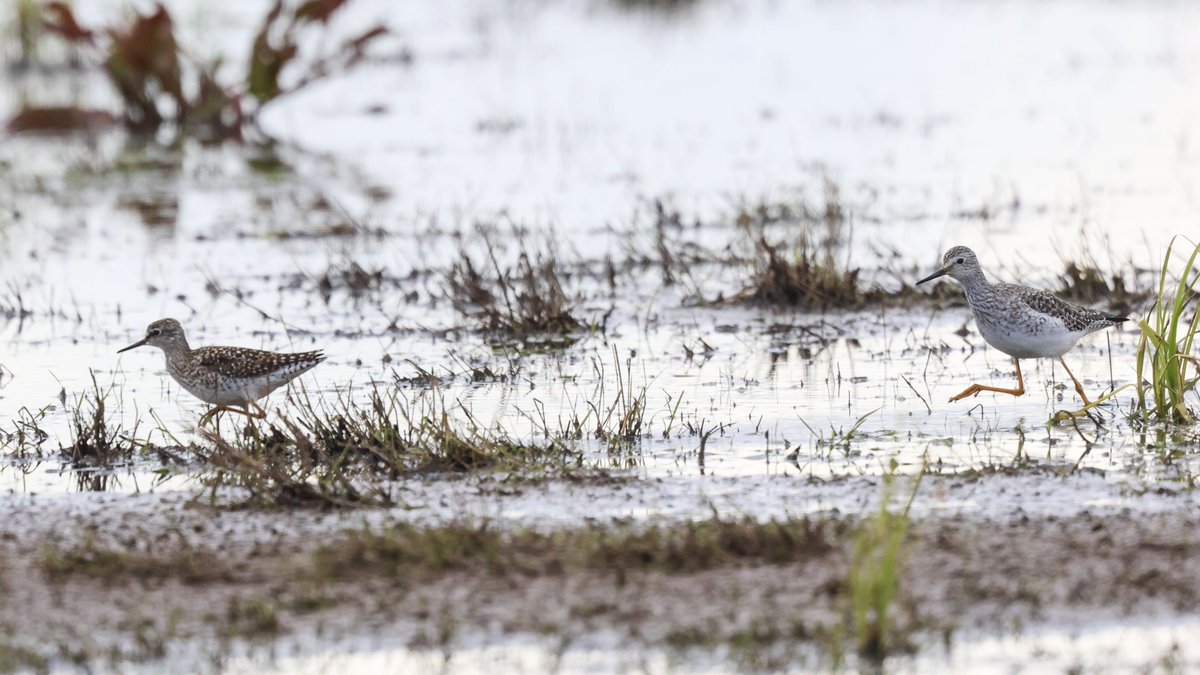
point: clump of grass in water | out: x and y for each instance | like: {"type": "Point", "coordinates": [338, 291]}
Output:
{"type": "Point", "coordinates": [619, 421]}
{"type": "Point", "coordinates": [28, 436]}
{"type": "Point", "coordinates": [810, 279]}
{"type": "Point", "coordinates": [811, 276]}
{"type": "Point", "coordinates": [345, 455]}
{"type": "Point", "coordinates": [94, 441]}
{"type": "Point", "coordinates": [523, 302]}
{"type": "Point", "coordinates": [1083, 279]}
{"type": "Point", "coordinates": [1164, 354]}
{"type": "Point", "coordinates": [1085, 283]}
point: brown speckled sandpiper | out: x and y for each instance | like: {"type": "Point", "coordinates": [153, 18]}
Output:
{"type": "Point", "coordinates": [1023, 322]}
{"type": "Point", "coordinates": [225, 376]}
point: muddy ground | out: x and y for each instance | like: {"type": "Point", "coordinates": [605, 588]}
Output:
{"type": "Point", "coordinates": [107, 584]}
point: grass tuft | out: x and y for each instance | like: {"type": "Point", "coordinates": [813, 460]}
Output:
{"type": "Point", "coordinates": [873, 581]}
{"type": "Point", "coordinates": [808, 278]}
{"type": "Point", "coordinates": [804, 270]}
{"type": "Point", "coordinates": [1165, 355]}
{"type": "Point", "coordinates": [523, 301]}
{"type": "Point", "coordinates": [95, 441]}
{"type": "Point", "coordinates": [345, 455]}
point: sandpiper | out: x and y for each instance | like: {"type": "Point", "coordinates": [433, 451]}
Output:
{"type": "Point", "coordinates": [1023, 322]}
{"type": "Point", "coordinates": [225, 376]}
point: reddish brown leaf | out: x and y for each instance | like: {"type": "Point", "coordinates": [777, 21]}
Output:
{"type": "Point", "coordinates": [67, 118]}
{"type": "Point", "coordinates": [359, 44]}
{"type": "Point", "coordinates": [143, 61]}
{"type": "Point", "coordinates": [61, 20]}
{"type": "Point", "coordinates": [318, 10]}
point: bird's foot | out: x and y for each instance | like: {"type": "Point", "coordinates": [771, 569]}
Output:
{"type": "Point", "coordinates": [211, 414]}
{"type": "Point", "coordinates": [975, 389]}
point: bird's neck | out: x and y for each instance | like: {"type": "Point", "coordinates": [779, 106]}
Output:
{"type": "Point", "coordinates": [974, 282]}
{"type": "Point", "coordinates": [177, 352]}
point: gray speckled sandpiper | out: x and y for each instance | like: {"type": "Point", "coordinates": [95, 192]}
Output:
{"type": "Point", "coordinates": [225, 376]}
{"type": "Point", "coordinates": [1023, 322]}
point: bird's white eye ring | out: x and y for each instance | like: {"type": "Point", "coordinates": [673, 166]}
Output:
{"type": "Point", "coordinates": [153, 332]}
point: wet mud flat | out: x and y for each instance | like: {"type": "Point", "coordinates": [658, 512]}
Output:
{"type": "Point", "coordinates": [116, 580]}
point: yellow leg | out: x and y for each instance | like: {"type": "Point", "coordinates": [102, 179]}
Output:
{"type": "Point", "coordinates": [1078, 387]}
{"type": "Point", "coordinates": [976, 388]}
{"type": "Point", "coordinates": [211, 414]}
{"type": "Point", "coordinates": [257, 413]}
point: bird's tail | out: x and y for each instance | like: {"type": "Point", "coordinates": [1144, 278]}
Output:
{"type": "Point", "coordinates": [1116, 319]}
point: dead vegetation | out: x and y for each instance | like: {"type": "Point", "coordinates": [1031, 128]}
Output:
{"type": "Point", "coordinates": [806, 268]}
{"type": "Point", "coordinates": [514, 294]}
{"type": "Point", "coordinates": [95, 440]}
{"type": "Point", "coordinates": [1085, 283]}
{"type": "Point", "coordinates": [353, 279]}
{"type": "Point", "coordinates": [802, 276]}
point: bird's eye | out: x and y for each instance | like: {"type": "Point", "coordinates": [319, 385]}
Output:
{"type": "Point", "coordinates": [153, 332]}
{"type": "Point", "coordinates": [959, 261]}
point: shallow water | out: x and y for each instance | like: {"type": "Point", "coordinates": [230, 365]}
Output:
{"type": "Point", "coordinates": [507, 111]}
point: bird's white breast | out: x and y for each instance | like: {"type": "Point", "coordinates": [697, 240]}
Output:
{"type": "Point", "coordinates": [1050, 340]}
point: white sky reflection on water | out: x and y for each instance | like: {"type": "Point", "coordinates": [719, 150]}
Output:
{"type": "Point", "coordinates": [1058, 118]}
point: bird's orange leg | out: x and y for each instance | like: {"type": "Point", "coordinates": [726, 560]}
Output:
{"type": "Point", "coordinates": [1078, 387]}
{"type": "Point", "coordinates": [211, 414]}
{"type": "Point", "coordinates": [257, 413]}
{"type": "Point", "coordinates": [976, 388]}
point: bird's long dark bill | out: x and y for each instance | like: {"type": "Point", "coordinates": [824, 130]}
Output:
{"type": "Point", "coordinates": [931, 277]}
{"type": "Point", "coordinates": [139, 343]}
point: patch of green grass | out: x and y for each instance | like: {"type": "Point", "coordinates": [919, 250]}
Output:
{"type": "Point", "coordinates": [87, 560]}
{"type": "Point", "coordinates": [254, 619]}
{"type": "Point", "coordinates": [838, 437]}
{"type": "Point", "coordinates": [149, 639]}
{"type": "Point", "coordinates": [28, 27]}
{"type": "Point", "coordinates": [407, 552]}
{"type": "Point", "coordinates": [1165, 353]}
{"type": "Point", "coordinates": [18, 659]}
